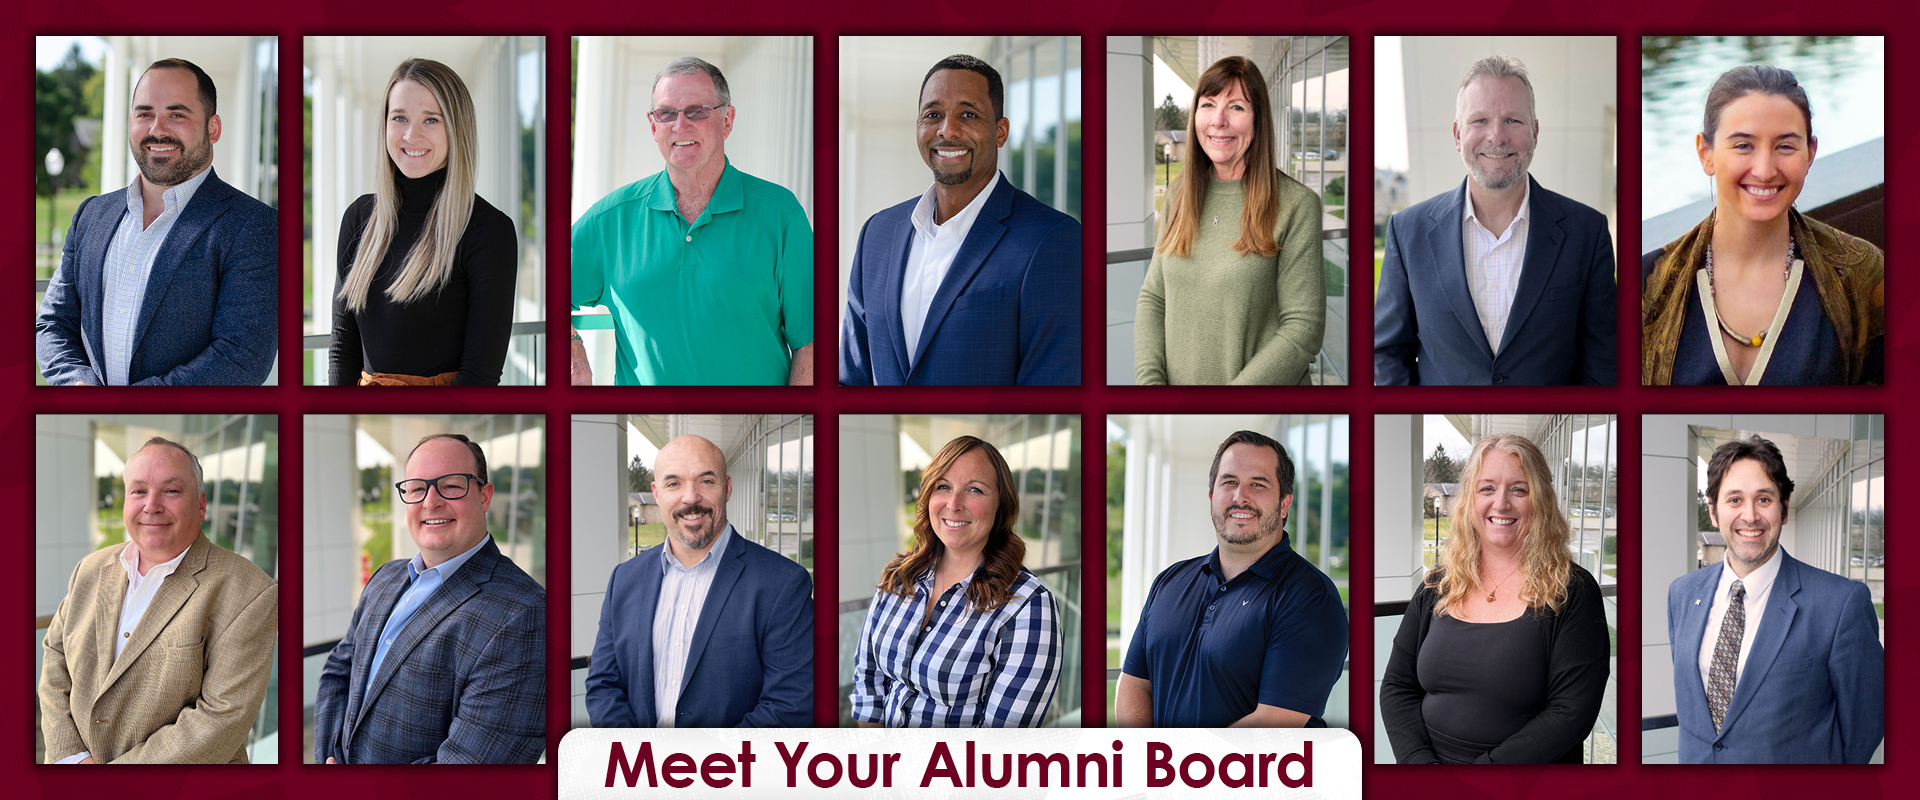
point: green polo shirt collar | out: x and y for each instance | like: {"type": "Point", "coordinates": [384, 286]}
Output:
{"type": "Point", "coordinates": [729, 195]}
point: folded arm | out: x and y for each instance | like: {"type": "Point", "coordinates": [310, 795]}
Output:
{"type": "Point", "coordinates": [786, 656]}
{"type": "Point", "coordinates": [245, 314]}
{"type": "Point", "coordinates": [1050, 311]}
{"type": "Point", "coordinates": [1401, 695]}
{"type": "Point", "coordinates": [58, 345]}
{"type": "Point", "coordinates": [1857, 665]}
{"type": "Point", "coordinates": [1302, 285]}
{"type": "Point", "coordinates": [501, 713]}
{"type": "Point", "coordinates": [1026, 666]}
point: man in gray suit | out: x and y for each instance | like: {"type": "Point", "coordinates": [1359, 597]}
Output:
{"type": "Point", "coordinates": [445, 660]}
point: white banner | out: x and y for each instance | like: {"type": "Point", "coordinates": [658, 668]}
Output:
{"type": "Point", "coordinates": [604, 764]}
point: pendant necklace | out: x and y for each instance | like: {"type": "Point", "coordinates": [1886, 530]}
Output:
{"type": "Point", "coordinates": [1496, 586]}
{"type": "Point", "coordinates": [1759, 338]}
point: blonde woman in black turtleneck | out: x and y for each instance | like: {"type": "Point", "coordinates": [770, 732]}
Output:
{"type": "Point", "coordinates": [426, 266]}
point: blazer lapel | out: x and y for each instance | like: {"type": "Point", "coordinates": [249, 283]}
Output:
{"type": "Point", "coordinates": [898, 245]}
{"type": "Point", "coordinates": [208, 203]}
{"type": "Point", "coordinates": [1450, 263]}
{"type": "Point", "coordinates": [1543, 252]}
{"type": "Point", "coordinates": [444, 601]}
{"type": "Point", "coordinates": [383, 594]}
{"type": "Point", "coordinates": [985, 235]}
{"type": "Point", "coordinates": [103, 223]}
{"type": "Point", "coordinates": [173, 593]}
{"type": "Point", "coordinates": [725, 578]}
{"type": "Point", "coordinates": [1781, 609]}
{"type": "Point", "coordinates": [1693, 627]}
{"type": "Point", "coordinates": [106, 624]}
{"type": "Point", "coordinates": [645, 602]}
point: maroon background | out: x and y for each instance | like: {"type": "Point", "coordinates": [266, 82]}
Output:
{"type": "Point", "coordinates": [825, 20]}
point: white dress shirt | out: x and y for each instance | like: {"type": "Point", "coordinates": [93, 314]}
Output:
{"type": "Point", "coordinates": [1759, 586]}
{"type": "Point", "coordinates": [130, 258]}
{"type": "Point", "coordinates": [1493, 264]}
{"type": "Point", "coordinates": [140, 592]}
{"type": "Point", "coordinates": [683, 593]}
{"type": "Point", "coordinates": [932, 253]}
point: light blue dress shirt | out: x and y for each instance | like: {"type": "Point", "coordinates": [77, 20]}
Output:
{"type": "Point", "coordinates": [683, 593]}
{"type": "Point", "coordinates": [421, 584]}
{"type": "Point", "coordinates": [130, 259]}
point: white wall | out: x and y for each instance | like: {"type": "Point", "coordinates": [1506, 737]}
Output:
{"type": "Point", "coordinates": [870, 491]}
{"type": "Point", "coordinates": [599, 503]}
{"type": "Point", "coordinates": [1574, 88]}
{"type": "Point", "coordinates": [63, 498]}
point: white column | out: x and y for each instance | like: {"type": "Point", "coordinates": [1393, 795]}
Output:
{"type": "Point", "coordinates": [326, 207]}
{"type": "Point", "coordinates": [599, 506]}
{"type": "Point", "coordinates": [116, 100]}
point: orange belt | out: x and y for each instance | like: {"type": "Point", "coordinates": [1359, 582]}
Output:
{"type": "Point", "coordinates": [390, 379]}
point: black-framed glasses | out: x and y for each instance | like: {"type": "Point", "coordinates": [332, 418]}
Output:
{"type": "Point", "coordinates": [450, 487]}
{"type": "Point", "coordinates": [666, 116]}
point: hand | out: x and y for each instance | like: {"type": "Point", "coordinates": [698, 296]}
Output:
{"type": "Point", "coordinates": [582, 371]}
{"type": "Point", "coordinates": [88, 759]}
{"type": "Point", "coordinates": [331, 761]}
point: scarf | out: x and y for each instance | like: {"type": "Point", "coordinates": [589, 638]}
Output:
{"type": "Point", "coordinates": [1847, 271]}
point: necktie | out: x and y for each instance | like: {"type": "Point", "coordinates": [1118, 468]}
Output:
{"type": "Point", "coordinates": [1726, 655]}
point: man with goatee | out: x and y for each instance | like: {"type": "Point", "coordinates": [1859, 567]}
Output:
{"type": "Point", "coordinates": [1248, 636]}
{"type": "Point", "coordinates": [708, 630]}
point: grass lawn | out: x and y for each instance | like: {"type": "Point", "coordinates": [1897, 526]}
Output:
{"type": "Point", "coordinates": [651, 534]}
{"type": "Point", "coordinates": [65, 203]}
{"type": "Point", "coordinates": [1164, 174]}
{"type": "Point", "coordinates": [1880, 610]}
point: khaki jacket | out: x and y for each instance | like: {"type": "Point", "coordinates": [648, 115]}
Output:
{"type": "Point", "coordinates": [188, 684]}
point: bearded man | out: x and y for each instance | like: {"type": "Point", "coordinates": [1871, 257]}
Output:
{"type": "Point", "coordinates": [1248, 636]}
{"type": "Point", "coordinates": [178, 247]}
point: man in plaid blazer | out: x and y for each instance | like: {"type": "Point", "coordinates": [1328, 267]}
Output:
{"type": "Point", "coordinates": [443, 662]}
{"type": "Point", "coordinates": [161, 651]}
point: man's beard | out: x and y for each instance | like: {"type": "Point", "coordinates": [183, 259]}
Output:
{"type": "Point", "coordinates": [188, 161]}
{"type": "Point", "coordinates": [951, 178]}
{"type": "Point", "coordinates": [1267, 526]}
{"type": "Point", "coordinates": [695, 540]}
{"type": "Point", "coordinates": [1522, 161]}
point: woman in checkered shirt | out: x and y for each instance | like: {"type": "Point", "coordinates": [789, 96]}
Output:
{"type": "Point", "coordinates": [959, 634]}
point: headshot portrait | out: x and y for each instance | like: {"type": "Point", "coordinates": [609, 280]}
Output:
{"type": "Point", "coordinates": [693, 571]}
{"type": "Point", "coordinates": [1181, 652]}
{"type": "Point", "coordinates": [1497, 573]}
{"type": "Point", "coordinates": [426, 248]}
{"type": "Point", "coordinates": [155, 599]}
{"type": "Point", "coordinates": [959, 211]}
{"type": "Point", "coordinates": [960, 571]}
{"type": "Point", "coordinates": [425, 566]}
{"type": "Point", "coordinates": [1226, 196]}
{"type": "Point", "coordinates": [156, 242]}
{"type": "Point", "coordinates": [1794, 296]}
{"type": "Point", "coordinates": [1764, 555]}
{"type": "Point", "coordinates": [1494, 211]}
{"type": "Point", "coordinates": [692, 252]}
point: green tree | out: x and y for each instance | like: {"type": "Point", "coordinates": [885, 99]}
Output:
{"type": "Point", "coordinates": [639, 477]}
{"type": "Point", "coordinates": [1116, 501]}
{"type": "Point", "coordinates": [1441, 468]}
{"type": "Point", "coordinates": [1169, 116]}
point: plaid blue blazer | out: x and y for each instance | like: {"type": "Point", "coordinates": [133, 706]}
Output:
{"type": "Point", "coordinates": [1008, 312]}
{"type": "Point", "coordinates": [466, 682]}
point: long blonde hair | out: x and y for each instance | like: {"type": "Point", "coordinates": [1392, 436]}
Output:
{"type": "Point", "coordinates": [1545, 564]}
{"type": "Point", "coordinates": [1262, 207]}
{"type": "Point", "coordinates": [429, 265]}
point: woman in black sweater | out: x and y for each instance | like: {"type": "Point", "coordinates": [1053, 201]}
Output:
{"type": "Point", "coordinates": [426, 267]}
{"type": "Point", "coordinates": [1502, 655]}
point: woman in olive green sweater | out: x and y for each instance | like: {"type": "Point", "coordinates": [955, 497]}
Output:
{"type": "Point", "coordinates": [1216, 309]}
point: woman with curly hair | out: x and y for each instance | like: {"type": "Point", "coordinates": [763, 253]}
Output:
{"type": "Point", "coordinates": [959, 634]}
{"type": "Point", "coordinates": [1502, 655]}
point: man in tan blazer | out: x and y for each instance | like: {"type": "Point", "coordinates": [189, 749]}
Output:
{"type": "Point", "coordinates": [161, 650]}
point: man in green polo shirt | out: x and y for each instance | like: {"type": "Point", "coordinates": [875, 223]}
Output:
{"type": "Point", "coordinates": [708, 270]}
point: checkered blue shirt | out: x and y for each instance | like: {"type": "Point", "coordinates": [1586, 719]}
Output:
{"type": "Point", "coordinates": [130, 259]}
{"type": "Point", "coordinates": [960, 668]}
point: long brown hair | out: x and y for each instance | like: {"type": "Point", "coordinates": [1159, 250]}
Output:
{"type": "Point", "coordinates": [429, 265]}
{"type": "Point", "coordinates": [1545, 565]}
{"type": "Point", "coordinates": [1262, 207]}
{"type": "Point", "coordinates": [1005, 549]}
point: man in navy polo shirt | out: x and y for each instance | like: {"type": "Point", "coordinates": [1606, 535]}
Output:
{"type": "Point", "coordinates": [1250, 635]}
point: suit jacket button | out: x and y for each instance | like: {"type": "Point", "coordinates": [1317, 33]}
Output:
{"type": "Point", "coordinates": [1499, 379]}
{"type": "Point", "coordinates": [1717, 747]}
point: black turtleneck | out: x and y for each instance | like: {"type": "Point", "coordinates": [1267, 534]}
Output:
{"type": "Point", "coordinates": [461, 328]}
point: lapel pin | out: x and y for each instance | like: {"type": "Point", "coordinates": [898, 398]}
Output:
{"type": "Point", "coordinates": [1696, 601]}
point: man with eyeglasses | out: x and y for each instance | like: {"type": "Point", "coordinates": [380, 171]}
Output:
{"type": "Point", "coordinates": [443, 662]}
{"type": "Point", "coordinates": [708, 270]}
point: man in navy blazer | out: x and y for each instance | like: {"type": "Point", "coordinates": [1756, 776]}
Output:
{"type": "Point", "coordinates": [1774, 661]}
{"type": "Point", "coordinates": [708, 630]}
{"type": "Point", "coordinates": [1499, 281]}
{"type": "Point", "coordinates": [445, 661]}
{"type": "Point", "coordinates": [173, 280]}
{"type": "Point", "coordinates": [975, 282]}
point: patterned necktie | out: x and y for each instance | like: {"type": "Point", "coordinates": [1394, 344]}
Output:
{"type": "Point", "coordinates": [1726, 655]}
